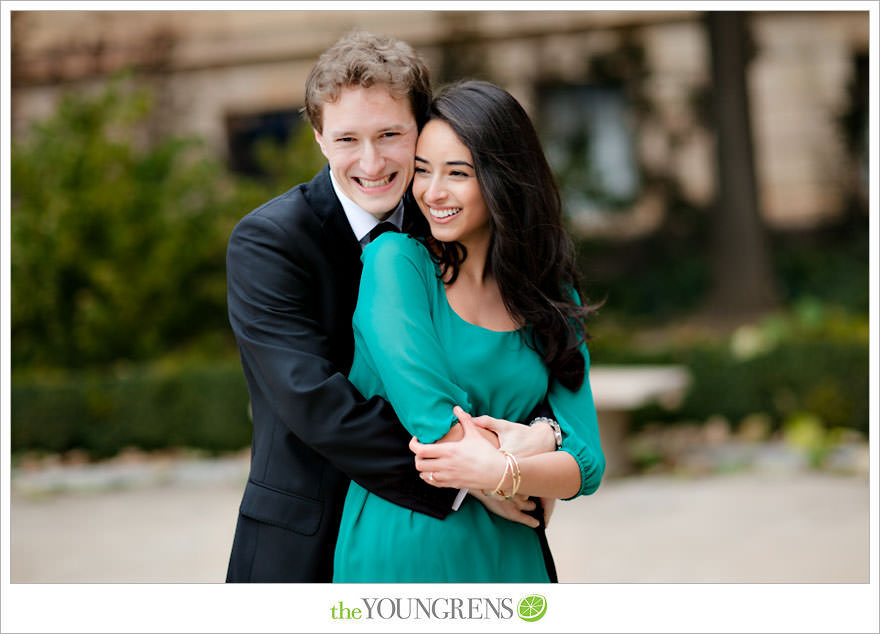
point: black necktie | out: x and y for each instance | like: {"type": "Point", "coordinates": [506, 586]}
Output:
{"type": "Point", "coordinates": [379, 229]}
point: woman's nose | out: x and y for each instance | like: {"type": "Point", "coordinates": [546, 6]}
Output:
{"type": "Point", "coordinates": [436, 190]}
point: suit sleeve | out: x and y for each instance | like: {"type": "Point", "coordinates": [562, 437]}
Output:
{"type": "Point", "coordinates": [274, 310]}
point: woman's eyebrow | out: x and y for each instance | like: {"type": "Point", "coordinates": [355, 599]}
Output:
{"type": "Point", "coordinates": [465, 163]}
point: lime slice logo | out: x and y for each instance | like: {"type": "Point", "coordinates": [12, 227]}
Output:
{"type": "Point", "coordinates": [532, 608]}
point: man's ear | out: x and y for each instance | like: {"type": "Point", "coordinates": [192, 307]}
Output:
{"type": "Point", "coordinates": [320, 140]}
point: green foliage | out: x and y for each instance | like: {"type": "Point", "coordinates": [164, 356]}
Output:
{"type": "Point", "coordinates": [286, 164]}
{"type": "Point", "coordinates": [808, 433]}
{"type": "Point", "coordinates": [652, 279]}
{"type": "Point", "coordinates": [831, 265]}
{"type": "Point", "coordinates": [647, 282]}
{"type": "Point", "coordinates": [118, 238]}
{"type": "Point", "coordinates": [666, 275]}
{"type": "Point", "coordinates": [828, 379]}
{"type": "Point", "coordinates": [118, 259]}
{"type": "Point", "coordinates": [199, 406]}
{"type": "Point", "coordinates": [811, 361]}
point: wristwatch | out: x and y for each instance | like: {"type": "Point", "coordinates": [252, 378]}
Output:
{"type": "Point", "coordinates": [557, 431]}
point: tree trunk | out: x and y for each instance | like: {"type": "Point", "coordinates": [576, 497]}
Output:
{"type": "Point", "coordinates": [743, 279]}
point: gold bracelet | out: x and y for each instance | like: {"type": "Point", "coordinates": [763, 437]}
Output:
{"type": "Point", "coordinates": [497, 489]}
{"type": "Point", "coordinates": [513, 467]}
{"type": "Point", "coordinates": [515, 473]}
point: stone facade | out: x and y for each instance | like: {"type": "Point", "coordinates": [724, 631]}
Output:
{"type": "Point", "coordinates": [211, 66]}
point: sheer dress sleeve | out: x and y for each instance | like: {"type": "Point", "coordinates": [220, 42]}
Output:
{"type": "Point", "coordinates": [575, 412]}
{"type": "Point", "coordinates": [398, 354]}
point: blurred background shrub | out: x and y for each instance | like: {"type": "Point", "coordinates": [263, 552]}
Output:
{"type": "Point", "coordinates": [119, 236]}
{"type": "Point", "coordinates": [150, 407]}
{"type": "Point", "coordinates": [787, 365]}
{"type": "Point", "coordinates": [118, 305]}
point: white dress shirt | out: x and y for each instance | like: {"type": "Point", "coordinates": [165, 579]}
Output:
{"type": "Point", "coordinates": [362, 222]}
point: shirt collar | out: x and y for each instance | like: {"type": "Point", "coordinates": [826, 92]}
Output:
{"type": "Point", "coordinates": [362, 221]}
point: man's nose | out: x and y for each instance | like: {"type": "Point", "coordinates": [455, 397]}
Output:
{"type": "Point", "coordinates": [372, 161]}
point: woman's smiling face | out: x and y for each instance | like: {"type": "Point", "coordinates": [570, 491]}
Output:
{"type": "Point", "coordinates": [446, 188]}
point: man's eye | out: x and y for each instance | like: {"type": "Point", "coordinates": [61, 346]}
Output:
{"type": "Point", "coordinates": [345, 139]}
{"type": "Point", "coordinates": [420, 170]}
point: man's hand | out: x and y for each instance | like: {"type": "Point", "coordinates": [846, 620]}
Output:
{"type": "Point", "coordinates": [512, 509]}
{"type": "Point", "coordinates": [548, 504]}
{"type": "Point", "coordinates": [456, 433]}
{"type": "Point", "coordinates": [520, 440]}
{"type": "Point", "coordinates": [472, 462]}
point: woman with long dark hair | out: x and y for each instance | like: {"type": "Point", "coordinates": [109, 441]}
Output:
{"type": "Point", "coordinates": [485, 313]}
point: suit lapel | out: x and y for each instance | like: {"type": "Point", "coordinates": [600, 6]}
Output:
{"type": "Point", "coordinates": [327, 207]}
{"type": "Point", "coordinates": [341, 247]}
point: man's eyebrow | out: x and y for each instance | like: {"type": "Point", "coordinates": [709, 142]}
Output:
{"type": "Point", "coordinates": [394, 127]}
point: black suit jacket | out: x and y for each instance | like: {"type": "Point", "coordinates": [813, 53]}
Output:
{"type": "Point", "coordinates": [293, 271]}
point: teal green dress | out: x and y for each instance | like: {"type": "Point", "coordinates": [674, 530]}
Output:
{"type": "Point", "coordinates": [412, 349]}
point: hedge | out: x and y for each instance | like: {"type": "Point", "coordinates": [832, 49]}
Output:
{"type": "Point", "coordinates": [206, 406]}
{"type": "Point", "coordinates": [827, 380]}
{"type": "Point", "coordinates": [199, 406]}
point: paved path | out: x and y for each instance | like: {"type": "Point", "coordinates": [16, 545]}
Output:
{"type": "Point", "coordinates": [794, 527]}
{"type": "Point", "coordinates": [755, 527]}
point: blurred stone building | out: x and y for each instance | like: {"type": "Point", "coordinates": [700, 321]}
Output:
{"type": "Point", "coordinates": [620, 97]}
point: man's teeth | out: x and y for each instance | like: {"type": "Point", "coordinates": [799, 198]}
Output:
{"type": "Point", "coordinates": [444, 213]}
{"type": "Point", "coordinates": [384, 181]}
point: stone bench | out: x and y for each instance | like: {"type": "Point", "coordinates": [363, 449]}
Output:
{"type": "Point", "coordinates": [619, 389]}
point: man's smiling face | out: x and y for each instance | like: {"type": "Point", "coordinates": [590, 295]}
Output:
{"type": "Point", "coordinates": [369, 139]}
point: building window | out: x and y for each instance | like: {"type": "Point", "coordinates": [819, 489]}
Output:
{"type": "Point", "coordinates": [247, 132]}
{"type": "Point", "coordinates": [587, 135]}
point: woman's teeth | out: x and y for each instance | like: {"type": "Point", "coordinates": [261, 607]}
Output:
{"type": "Point", "coordinates": [443, 213]}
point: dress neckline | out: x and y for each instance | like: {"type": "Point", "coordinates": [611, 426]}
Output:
{"type": "Point", "coordinates": [465, 321]}
{"type": "Point", "coordinates": [449, 307]}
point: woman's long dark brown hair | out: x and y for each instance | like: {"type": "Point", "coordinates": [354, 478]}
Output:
{"type": "Point", "coordinates": [530, 254]}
